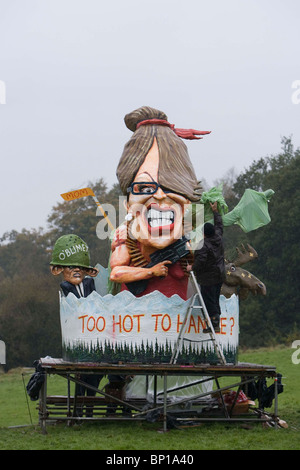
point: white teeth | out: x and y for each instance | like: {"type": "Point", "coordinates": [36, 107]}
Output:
{"type": "Point", "coordinates": [155, 214]}
{"type": "Point", "coordinates": [158, 218]}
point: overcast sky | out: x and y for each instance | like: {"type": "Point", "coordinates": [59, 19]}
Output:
{"type": "Point", "coordinates": [71, 69]}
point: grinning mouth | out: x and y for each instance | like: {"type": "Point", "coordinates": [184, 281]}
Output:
{"type": "Point", "coordinates": [160, 218]}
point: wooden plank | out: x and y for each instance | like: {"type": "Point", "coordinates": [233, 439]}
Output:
{"type": "Point", "coordinates": [57, 364]}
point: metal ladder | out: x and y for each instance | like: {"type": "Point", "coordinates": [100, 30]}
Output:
{"type": "Point", "coordinates": [187, 317]}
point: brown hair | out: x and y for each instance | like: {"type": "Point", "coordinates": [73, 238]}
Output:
{"type": "Point", "coordinates": [175, 171]}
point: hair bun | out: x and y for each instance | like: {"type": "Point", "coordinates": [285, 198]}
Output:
{"type": "Point", "coordinates": [141, 114]}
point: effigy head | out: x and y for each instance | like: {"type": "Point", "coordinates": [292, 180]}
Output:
{"type": "Point", "coordinates": [71, 257]}
{"type": "Point", "coordinates": [157, 176]}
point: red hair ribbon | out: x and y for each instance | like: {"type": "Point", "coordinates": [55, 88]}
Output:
{"type": "Point", "coordinates": [183, 133]}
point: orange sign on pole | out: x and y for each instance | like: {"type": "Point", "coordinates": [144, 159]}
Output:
{"type": "Point", "coordinates": [78, 193]}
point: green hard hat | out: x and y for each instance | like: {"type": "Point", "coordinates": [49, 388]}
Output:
{"type": "Point", "coordinates": [71, 250]}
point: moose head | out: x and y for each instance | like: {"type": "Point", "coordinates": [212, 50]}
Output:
{"type": "Point", "coordinates": [239, 281]}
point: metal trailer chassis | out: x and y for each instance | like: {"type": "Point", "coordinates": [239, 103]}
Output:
{"type": "Point", "coordinates": [195, 409]}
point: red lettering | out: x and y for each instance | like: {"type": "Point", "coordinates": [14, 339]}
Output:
{"type": "Point", "coordinates": [156, 322]}
{"type": "Point", "coordinates": [93, 324]}
{"type": "Point", "coordinates": [117, 323]}
{"type": "Point", "coordinates": [138, 322]}
{"type": "Point", "coordinates": [83, 317]}
{"type": "Point", "coordinates": [192, 324]}
{"type": "Point", "coordinates": [179, 323]}
{"type": "Point", "coordinates": [169, 321]}
{"type": "Point", "coordinates": [131, 323]}
{"type": "Point", "coordinates": [103, 320]}
{"type": "Point", "coordinates": [223, 326]}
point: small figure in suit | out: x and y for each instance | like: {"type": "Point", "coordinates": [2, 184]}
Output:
{"type": "Point", "coordinates": [71, 258]}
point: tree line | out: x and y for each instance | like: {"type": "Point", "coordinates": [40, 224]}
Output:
{"type": "Point", "coordinates": [29, 303]}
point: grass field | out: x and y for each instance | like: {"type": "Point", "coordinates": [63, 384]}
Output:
{"type": "Point", "coordinates": [132, 436]}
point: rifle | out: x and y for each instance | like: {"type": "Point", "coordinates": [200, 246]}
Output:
{"type": "Point", "coordinates": [172, 253]}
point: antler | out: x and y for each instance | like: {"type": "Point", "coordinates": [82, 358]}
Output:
{"type": "Point", "coordinates": [245, 255]}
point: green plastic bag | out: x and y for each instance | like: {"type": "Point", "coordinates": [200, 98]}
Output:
{"type": "Point", "coordinates": [213, 195]}
{"type": "Point", "coordinates": [250, 213]}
